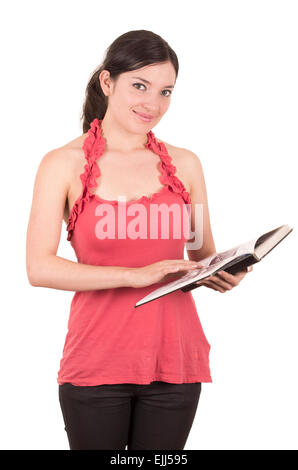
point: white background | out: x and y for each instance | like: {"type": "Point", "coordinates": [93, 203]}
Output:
{"type": "Point", "coordinates": [235, 105]}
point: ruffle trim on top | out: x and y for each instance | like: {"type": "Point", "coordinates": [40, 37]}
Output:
{"type": "Point", "coordinates": [168, 176]}
{"type": "Point", "coordinates": [93, 147]}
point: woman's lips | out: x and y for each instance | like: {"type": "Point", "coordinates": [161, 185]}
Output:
{"type": "Point", "coordinates": [144, 117]}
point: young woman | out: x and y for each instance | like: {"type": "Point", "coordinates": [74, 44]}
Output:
{"type": "Point", "coordinates": [128, 376]}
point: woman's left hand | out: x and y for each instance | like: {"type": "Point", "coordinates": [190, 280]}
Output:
{"type": "Point", "coordinates": [223, 281]}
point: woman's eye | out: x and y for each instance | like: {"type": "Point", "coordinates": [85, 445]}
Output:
{"type": "Point", "coordinates": [139, 84]}
{"type": "Point", "coordinates": [136, 85]}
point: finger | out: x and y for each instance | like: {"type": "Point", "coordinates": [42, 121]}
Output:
{"type": "Point", "coordinates": [240, 275]}
{"type": "Point", "coordinates": [184, 264]}
{"type": "Point", "coordinates": [226, 276]}
{"type": "Point", "coordinates": [182, 268]}
{"type": "Point", "coordinates": [233, 279]}
{"type": "Point", "coordinates": [208, 283]}
{"type": "Point", "coordinates": [189, 265]}
{"type": "Point", "coordinates": [184, 261]}
{"type": "Point", "coordinates": [214, 286]}
{"type": "Point", "coordinates": [221, 283]}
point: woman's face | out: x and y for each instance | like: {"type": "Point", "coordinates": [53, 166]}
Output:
{"type": "Point", "coordinates": [146, 90]}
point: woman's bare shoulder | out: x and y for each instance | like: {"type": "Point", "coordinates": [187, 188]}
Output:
{"type": "Point", "coordinates": [68, 156]}
{"type": "Point", "coordinates": [179, 153]}
{"type": "Point", "coordinates": [184, 160]}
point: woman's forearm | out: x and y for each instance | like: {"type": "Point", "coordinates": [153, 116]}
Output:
{"type": "Point", "coordinates": [59, 273]}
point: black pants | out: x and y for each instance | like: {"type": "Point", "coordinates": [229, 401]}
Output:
{"type": "Point", "coordinates": [154, 416]}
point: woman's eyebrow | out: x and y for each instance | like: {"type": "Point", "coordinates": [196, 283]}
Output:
{"type": "Point", "coordinates": [146, 81]}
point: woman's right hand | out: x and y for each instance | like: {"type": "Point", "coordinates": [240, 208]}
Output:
{"type": "Point", "coordinates": [161, 271]}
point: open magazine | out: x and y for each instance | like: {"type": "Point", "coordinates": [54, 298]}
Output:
{"type": "Point", "coordinates": [232, 261]}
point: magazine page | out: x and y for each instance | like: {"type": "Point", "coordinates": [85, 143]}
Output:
{"type": "Point", "coordinates": [192, 275]}
{"type": "Point", "coordinates": [211, 264]}
{"type": "Point", "coordinates": [238, 250]}
{"type": "Point", "coordinates": [197, 274]}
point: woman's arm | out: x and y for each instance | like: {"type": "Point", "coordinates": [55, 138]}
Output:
{"type": "Point", "coordinates": [200, 224]}
{"type": "Point", "coordinates": [44, 267]}
{"type": "Point", "coordinates": [221, 281]}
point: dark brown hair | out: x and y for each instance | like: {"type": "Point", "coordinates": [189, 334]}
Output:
{"type": "Point", "coordinates": [130, 51]}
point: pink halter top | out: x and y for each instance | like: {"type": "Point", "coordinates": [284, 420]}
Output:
{"type": "Point", "coordinates": [109, 341]}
